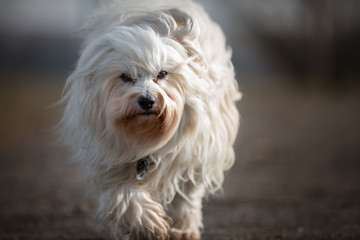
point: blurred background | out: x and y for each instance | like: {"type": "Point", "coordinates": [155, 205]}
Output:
{"type": "Point", "coordinates": [297, 174]}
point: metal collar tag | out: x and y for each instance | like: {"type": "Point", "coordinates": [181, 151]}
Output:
{"type": "Point", "coordinates": [142, 167]}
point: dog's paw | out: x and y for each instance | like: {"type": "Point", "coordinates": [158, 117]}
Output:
{"type": "Point", "coordinates": [189, 234]}
{"type": "Point", "coordinates": [154, 224]}
{"type": "Point", "coordinates": [160, 231]}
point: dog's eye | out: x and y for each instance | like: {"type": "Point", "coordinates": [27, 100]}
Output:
{"type": "Point", "coordinates": [162, 75]}
{"type": "Point", "coordinates": [126, 78]}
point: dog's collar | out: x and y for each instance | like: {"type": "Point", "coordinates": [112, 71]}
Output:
{"type": "Point", "coordinates": [142, 167]}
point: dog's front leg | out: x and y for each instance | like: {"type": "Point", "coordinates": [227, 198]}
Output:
{"type": "Point", "coordinates": [186, 213]}
{"type": "Point", "coordinates": [129, 210]}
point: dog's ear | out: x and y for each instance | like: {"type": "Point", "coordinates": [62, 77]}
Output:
{"type": "Point", "coordinates": [186, 32]}
{"type": "Point", "coordinates": [186, 27]}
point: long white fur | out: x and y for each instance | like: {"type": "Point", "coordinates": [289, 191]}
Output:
{"type": "Point", "coordinates": [142, 37]}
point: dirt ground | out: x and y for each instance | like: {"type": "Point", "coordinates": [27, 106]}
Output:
{"type": "Point", "coordinates": [297, 174]}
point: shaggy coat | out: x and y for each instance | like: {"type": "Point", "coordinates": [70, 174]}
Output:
{"type": "Point", "coordinates": [172, 55]}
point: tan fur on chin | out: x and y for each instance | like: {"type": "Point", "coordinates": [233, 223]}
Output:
{"type": "Point", "coordinates": [185, 130]}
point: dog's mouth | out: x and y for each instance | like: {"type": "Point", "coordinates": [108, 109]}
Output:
{"type": "Point", "coordinates": [146, 114]}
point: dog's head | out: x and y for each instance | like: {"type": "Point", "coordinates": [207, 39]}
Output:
{"type": "Point", "coordinates": [140, 78]}
{"type": "Point", "coordinates": [145, 95]}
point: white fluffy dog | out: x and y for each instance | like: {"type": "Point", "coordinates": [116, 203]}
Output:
{"type": "Point", "coordinates": [150, 115]}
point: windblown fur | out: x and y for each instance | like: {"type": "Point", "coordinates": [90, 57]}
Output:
{"type": "Point", "coordinates": [188, 134]}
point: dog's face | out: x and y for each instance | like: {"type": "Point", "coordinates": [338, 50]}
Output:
{"type": "Point", "coordinates": [142, 78]}
{"type": "Point", "coordinates": [137, 85]}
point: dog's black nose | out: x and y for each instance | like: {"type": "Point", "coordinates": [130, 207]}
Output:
{"type": "Point", "coordinates": [146, 102]}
